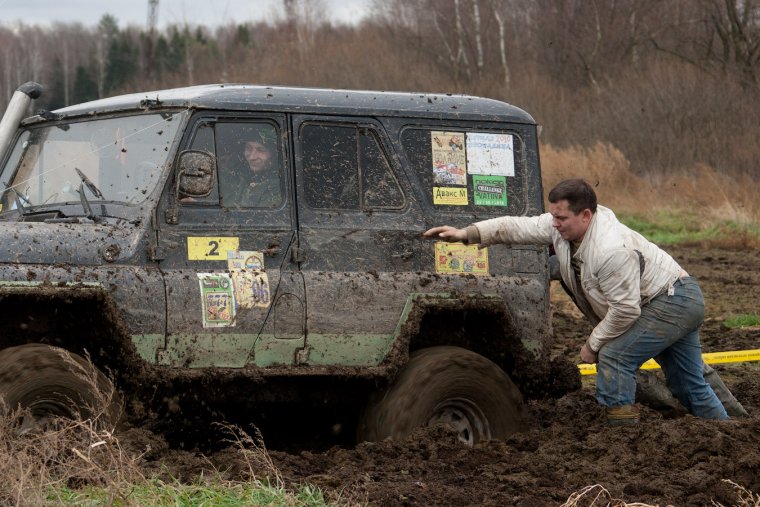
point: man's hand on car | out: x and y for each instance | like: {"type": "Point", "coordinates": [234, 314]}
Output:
{"type": "Point", "coordinates": [446, 233]}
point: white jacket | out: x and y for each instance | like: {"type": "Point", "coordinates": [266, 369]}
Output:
{"type": "Point", "coordinates": [610, 266]}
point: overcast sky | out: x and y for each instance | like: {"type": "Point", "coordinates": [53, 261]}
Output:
{"type": "Point", "coordinates": [135, 12]}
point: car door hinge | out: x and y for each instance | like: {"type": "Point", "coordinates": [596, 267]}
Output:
{"type": "Point", "coordinates": [153, 254]}
{"type": "Point", "coordinates": [296, 255]}
{"type": "Point", "coordinates": [302, 355]}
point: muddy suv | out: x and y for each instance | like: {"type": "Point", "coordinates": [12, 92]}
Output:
{"type": "Point", "coordinates": [139, 236]}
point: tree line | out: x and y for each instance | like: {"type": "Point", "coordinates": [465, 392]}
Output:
{"type": "Point", "coordinates": [671, 84]}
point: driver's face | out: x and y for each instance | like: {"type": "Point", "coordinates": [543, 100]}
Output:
{"type": "Point", "coordinates": [257, 155]}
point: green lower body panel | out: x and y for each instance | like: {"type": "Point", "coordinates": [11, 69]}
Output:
{"type": "Point", "coordinates": [239, 350]}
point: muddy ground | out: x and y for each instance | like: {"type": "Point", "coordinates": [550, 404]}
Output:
{"type": "Point", "coordinates": [678, 461]}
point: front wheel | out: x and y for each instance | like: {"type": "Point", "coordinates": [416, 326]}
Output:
{"type": "Point", "coordinates": [448, 385]}
{"type": "Point", "coordinates": [47, 382]}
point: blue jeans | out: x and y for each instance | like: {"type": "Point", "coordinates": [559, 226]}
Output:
{"type": "Point", "coordinates": [667, 330]}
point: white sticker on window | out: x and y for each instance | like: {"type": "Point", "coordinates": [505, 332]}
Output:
{"type": "Point", "coordinates": [490, 154]}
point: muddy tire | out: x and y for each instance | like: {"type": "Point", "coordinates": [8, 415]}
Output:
{"type": "Point", "coordinates": [49, 382]}
{"type": "Point", "coordinates": [447, 385]}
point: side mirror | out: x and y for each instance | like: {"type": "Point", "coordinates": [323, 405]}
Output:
{"type": "Point", "coordinates": [196, 173]}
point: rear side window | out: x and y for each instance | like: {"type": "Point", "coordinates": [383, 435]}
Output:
{"type": "Point", "coordinates": [466, 170]}
{"type": "Point", "coordinates": [345, 167]}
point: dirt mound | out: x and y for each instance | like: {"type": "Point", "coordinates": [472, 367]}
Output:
{"type": "Point", "coordinates": [679, 461]}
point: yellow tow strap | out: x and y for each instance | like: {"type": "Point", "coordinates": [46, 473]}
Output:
{"type": "Point", "coordinates": [732, 356]}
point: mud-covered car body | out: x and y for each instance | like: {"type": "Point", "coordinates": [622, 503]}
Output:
{"type": "Point", "coordinates": [103, 252]}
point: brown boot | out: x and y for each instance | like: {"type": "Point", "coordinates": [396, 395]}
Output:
{"type": "Point", "coordinates": [626, 415]}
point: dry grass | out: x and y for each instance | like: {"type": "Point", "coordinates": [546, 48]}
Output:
{"type": "Point", "coordinates": [744, 497]}
{"type": "Point", "coordinates": [598, 496]}
{"type": "Point", "coordinates": [701, 191]}
{"type": "Point", "coordinates": [65, 453]}
{"type": "Point", "coordinates": [253, 452]}
{"type": "Point", "coordinates": [68, 454]}
{"type": "Point", "coordinates": [45, 465]}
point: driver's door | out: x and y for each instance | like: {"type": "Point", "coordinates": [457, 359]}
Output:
{"type": "Point", "coordinates": [233, 296]}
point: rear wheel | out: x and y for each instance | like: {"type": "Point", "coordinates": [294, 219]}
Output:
{"type": "Point", "coordinates": [47, 382]}
{"type": "Point", "coordinates": [447, 385]}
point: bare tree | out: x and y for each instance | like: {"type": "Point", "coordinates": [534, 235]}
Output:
{"type": "Point", "coordinates": [499, 16]}
{"type": "Point", "coordinates": [461, 56]}
{"type": "Point", "coordinates": [478, 36]}
{"type": "Point", "coordinates": [734, 43]}
{"type": "Point", "coordinates": [716, 36]}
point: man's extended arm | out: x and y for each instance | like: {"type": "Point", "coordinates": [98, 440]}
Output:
{"type": "Point", "coordinates": [517, 230]}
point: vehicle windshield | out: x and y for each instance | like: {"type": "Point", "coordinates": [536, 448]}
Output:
{"type": "Point", "coordinates": [114, 160]}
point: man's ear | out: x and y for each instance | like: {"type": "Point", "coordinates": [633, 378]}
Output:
{"type": "Point", "coordinates": [587, 214]}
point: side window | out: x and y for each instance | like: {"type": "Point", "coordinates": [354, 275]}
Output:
{"type": "Point", "coordinates": [330, 165]}
{"type": "Point", "coordinates": [344, 167]}
{"type": "Point", "coordinates": [249, 164]}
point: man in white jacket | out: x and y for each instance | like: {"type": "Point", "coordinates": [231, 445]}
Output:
{"type": "Point", "coordinates": [641, 302]}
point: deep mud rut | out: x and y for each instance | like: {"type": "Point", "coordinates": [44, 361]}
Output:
{"type": "Point", "coordinates": [678, 461]}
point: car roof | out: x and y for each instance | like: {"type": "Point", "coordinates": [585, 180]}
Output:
{"type": "Point", "coordinates": [246, 97]}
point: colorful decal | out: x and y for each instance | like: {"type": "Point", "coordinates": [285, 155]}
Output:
{"type": "Point", "coordinates": [249, 278]}
{"type": "Point", "coordinates": [244, 259]}
{"type": "Point", "coordinates": [251, 288]}
{"type": "Point", "coordinates": [489, 190]}
{"type": "Point", "coordinates": [490, 154]}
{"type": "Point", "coordinates": [458, 258]}
{"type": "Point", "coordinates": [449, 160]}
{"type": "Point", "coordinates": [450, 195]}
{"type": "Point", "coordinates": [218, 299]}
{"type": "Point", "coordinates": [210, 248]}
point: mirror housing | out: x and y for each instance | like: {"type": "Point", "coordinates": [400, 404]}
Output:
{"type": "Point", "coordinates": [196, 172]}
{"type": "Point", "coordinates": [195, 177]}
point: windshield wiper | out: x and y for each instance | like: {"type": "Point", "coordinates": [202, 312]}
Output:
{"type": "Point", "coordinates": [95, 190]}
{"type": "Point", "coordinates": [83, 198]}
{"type": "Point", "coordinates": [17, 197]}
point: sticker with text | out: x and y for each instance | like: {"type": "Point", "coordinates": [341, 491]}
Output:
{"type": "Point", "coordinates": [458, 258]}
{"type": "Point", "coordinates": [245, 259]}
{"type": "Point", "coordinates": [218, 299]}
{"type": "Point", "coordinates": [251, 288]}
{"type": "Point", "coordinates": [210, 248]}
{"type": "Point", "coordinates": [489, 190]}
{"type": "Point", "coordinates": [456, 196]}
{"type": "Point", "coordinates": [449, 160]}
{"type": "Point", "coordinates": [490, 154]}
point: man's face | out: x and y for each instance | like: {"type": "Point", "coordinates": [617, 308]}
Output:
{"type": "Point", "coordinates": [570, 226]}
{"type": "Point", "coordinates": [257, 155]}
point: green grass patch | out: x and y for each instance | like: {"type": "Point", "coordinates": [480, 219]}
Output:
{"type": "Point", "coordinates": [669, 227]}
{"type": "Point", "coordinates": [742, 320]}
{"type": "Point", "coordinates": [219, 494]}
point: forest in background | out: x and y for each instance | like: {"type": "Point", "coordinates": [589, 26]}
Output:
{"type": "Point", "coordinates": [667, 89]}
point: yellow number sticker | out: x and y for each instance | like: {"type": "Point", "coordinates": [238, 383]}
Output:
{"type": "Point", "coordinates": [210, 248]}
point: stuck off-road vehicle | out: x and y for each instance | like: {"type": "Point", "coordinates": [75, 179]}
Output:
{"type": "Point", "coordinates": [130, 240]}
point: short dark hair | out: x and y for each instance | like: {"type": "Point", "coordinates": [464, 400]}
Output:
{"type": "Point", "coordinates": [578, 194]}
